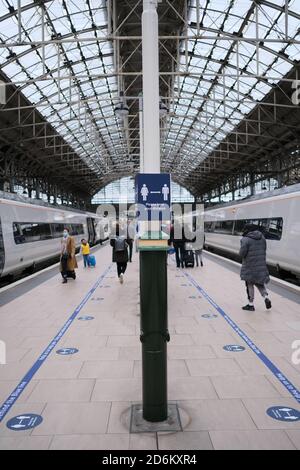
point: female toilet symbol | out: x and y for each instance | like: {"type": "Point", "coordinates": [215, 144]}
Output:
{"type": "Point", "coordinates": [144, 192]}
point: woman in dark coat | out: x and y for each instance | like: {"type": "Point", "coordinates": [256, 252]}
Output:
{"type": "Point", "coordinates": [254, 269]}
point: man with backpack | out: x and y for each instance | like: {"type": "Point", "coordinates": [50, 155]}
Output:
{"type": "Point", "coordinates": [120, 253]}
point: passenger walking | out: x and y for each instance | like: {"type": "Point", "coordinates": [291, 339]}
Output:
{"type": "Point", "coordinates": [178, 240]}
{"type": "Point", "coordinates": [198, 257]}
{"type": "Point", "coordinates": [68, 262]}
{"type": "Point", "coordinates": [198, 248]}
{"type": "Point", "coordinates": [85, 251]}
{"type": "Point", "coordinates": [120, 253]}
{"type": "Point", "coordinates": [254, 269]}
{"type": "Point", "coordinates": [130, 238]}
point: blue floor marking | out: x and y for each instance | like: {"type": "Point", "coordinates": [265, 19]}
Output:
{"type": "Point", "coordinates": [10, 401]}
{"type": "Point", "coordinates": [269, 364]}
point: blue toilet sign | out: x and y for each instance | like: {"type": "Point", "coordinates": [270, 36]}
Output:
{"type": "Point", "coordinates": [153, 195]}
{"type": "Point", "coordinates": [67, 351]}
{"type": "Point", "coordinates": [233, 348]}
{"type": "Point", "coordinates": [284, 413]}
{"type": "Point", "coordinates": [24, 422]}
{"type": "Point", "coordinates": [87, 318]}
{"type": "Point", "coordinates": [209, 315]}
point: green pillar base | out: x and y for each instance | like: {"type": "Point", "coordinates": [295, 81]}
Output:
{"type": "Point", "coordinates": [154, 334]}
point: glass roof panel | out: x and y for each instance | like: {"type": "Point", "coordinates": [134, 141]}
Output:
{"type": "Point", "coordinates": [223, 83]}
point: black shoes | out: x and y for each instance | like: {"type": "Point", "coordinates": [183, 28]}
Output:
{"type": "Point", "coordinates": [64, 281]}
{"type": "Point", "coordinates": [248, 307]}
{"type": "Point", "coordinates": [251, 308]}
{"type": "Point", "coordinates": [268, 303]}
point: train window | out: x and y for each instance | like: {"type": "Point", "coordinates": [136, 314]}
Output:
{"type": "Point", "coordinates": [77, 229]}
{"type": "Point", "coordinates": [239, 226]}
{"type": "Point", "coordinates": [45, 231]}
{"type": "Point", "coordinates": [271, 228]}
{"type": "Point", "coordinates": [18, 235]}
{"type": "Point", "coordinates": [274, 231]}
{"type": "Point", "coordinates": [57, 230]}
{"type": "Point", "coordinates": [224, 226]}
{"type": "Point", "coordinates": [31, 232]}
{"type": "Point", "coordinates": [209, 227]}
{"type": "Point", "coordinates": [2, 254]}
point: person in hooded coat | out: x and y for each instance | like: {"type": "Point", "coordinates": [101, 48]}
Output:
{"type": "Point", "coordinates": [254, 269]}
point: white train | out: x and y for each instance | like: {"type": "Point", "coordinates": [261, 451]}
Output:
{"type": "Point", "coordinates": [30, 233]}
{"type": "Point", "coordinates": [277, 213]}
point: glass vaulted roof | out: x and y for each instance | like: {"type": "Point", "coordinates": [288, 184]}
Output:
{"type": "Point", "coordinates": [72, 80]}
{"type": "Point", "coordinates": [71, 83]}
{"type": "Point", "coordinates": [226, 79]}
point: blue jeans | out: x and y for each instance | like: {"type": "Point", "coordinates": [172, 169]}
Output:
{"type": "Point", "coordinates": [86, 260]}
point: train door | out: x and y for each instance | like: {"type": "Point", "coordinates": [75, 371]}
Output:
{"type": "Point", "coordinates": [2, 253]}
{"type": "Point", "coordinates": [91, 230]}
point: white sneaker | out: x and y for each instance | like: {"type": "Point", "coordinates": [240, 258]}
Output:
{"type": "Point", "coordinates": [121, 278]}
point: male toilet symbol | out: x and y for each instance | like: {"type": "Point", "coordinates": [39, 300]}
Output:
{"type": "Point", "coordinates": [144, 192]}
{"type": "Point", "coordinates": [165, 191]}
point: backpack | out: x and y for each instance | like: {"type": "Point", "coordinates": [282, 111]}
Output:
{"type": "Point", "coordinates": [120, 244]}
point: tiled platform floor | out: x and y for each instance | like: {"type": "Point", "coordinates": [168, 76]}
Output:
{"type": "Point", "coordinates": [85, 398]}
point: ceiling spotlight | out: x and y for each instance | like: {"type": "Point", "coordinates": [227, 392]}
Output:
{"type": "Point", "coordinates": [121, 109]}
{"type": "Point", "coordinates": [163, 109]}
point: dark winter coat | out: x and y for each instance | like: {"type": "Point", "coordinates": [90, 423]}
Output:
{"type": "Point", "coordinates": [253, 252]}
{"type": "Point", "coordinates": [119, 256]}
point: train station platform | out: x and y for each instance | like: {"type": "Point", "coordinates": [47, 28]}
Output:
{"type": "Point", "coordinates": [74, 352]}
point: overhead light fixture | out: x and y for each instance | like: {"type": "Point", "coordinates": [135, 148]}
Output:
{"type": "Point", "coordinates": [121, 109]}
{"type": "Point", "coordinates": [163, 109]}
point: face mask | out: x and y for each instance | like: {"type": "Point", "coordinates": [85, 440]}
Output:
{"type": "Point", "coordinates": [65, 234]}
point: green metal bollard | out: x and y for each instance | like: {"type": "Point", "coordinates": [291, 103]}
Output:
{"type": "Point", "coordinates": [154, 333]}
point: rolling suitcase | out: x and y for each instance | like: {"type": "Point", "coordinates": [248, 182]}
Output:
{"type": "Point", "coordinates": [189, 259]}
{"type": "Point", "coordinates": [92, 260]}
{"type": "Point", "coordinates": [71, 274]}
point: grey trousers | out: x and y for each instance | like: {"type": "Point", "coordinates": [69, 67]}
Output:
{"type": "Point", "coordinates": [250, 290]}
{"type": "Point", "coordinates": [198, 256]}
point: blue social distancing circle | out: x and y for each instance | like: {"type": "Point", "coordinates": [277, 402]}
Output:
{"type": "Point", "coordinates": [24, 422]}
{"type": "Point", "coordinates": [67, 351]}
{"type": "Point", "coordinates": [234, 348]}
{"type": "Point", "coordinates": [284, 413]}
{"type": "Point", "coordinates": [209, 315]}
{"type": "Point", "coordinates": [86, 318]}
